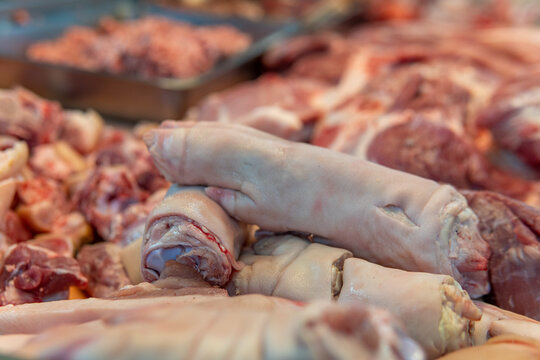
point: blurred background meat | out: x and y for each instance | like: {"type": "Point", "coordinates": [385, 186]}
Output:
{"type": "Point", "coordinates": [512, 230]}
{"type": "Point", "coordinates": [447, 90]}
{"type": "Point", "coordinates": [143, 47]}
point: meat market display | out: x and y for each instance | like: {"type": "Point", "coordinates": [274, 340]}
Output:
{"type": "Point", "coordinates": [143, 47]}
{"type": "Point", "coordinates": [373, 194]}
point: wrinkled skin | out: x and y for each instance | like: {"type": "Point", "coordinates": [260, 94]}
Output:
{"type": "Point", "coordinates": [260, 179]}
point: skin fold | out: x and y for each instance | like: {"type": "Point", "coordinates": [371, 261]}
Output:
{"type": "Point", "coordinates": [359, 206]}
{"type": "Point", "coordinates": [296, 269]}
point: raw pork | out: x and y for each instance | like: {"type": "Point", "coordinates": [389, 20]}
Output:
{"type": "Point", "coordinates": [281, 186]}
{"type": "Point", "coordinates": [33, 273]}
{"type": "Point", "coordinates": [102, 265]}
{"type": "Point", "coordinates": [281, 106]}
{"type": "Point", "coordinates": [296, 269]}
{"type": "Point", "coordinates": [28, 117]}
{"type": "Point", "coordinates": [245, 327]}
{"type": "Point", "coordinates": [189, 228]}
{"type": "Point", "coordinates": [512, 230]}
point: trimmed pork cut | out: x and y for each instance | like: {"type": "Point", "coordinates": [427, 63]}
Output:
{"type": "Point", "coordinates": [190, 228]}
{"type": "Point", "coordinates": [130, 152]}
{"type": "Point", "coordinates": [105, 195]}
{"type": "Point", "coordinates": [42, 201]}
{"type": "Point", "coordinates": [102, 265]}
{"type": "Point", "coordinates": [28, 117]}
{"type": "Point", "coordinates": [82, 130]}
{"type": "Point", "coordinates": [33, 273]}
{"type": "Point", "coordinates": [512, 230]}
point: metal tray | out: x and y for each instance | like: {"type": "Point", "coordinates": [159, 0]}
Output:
{"type": "Point", "coordinates": [123, 97]}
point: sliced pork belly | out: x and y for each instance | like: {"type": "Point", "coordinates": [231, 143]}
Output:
{"type": "Point", "coordinates": [244, 327]}
{"type": "Point", "coordinates": [102, 265]}
{"type": "Point", "coordinates": [433, 308]}
{"type": "Point", "coordinates": [280, 106]}
{"type": "Point", "coordinates": [33, 273]}
{"type": "Point", "coordinates": [190, 228]}
{"type": "Point", "coordinates": [512, 230]}
{"type": "Point", "coordinates": [26, 116]}
{"type": "Point", "coordinates": [386, 216]}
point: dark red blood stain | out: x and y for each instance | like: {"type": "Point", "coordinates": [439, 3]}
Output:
{"type": "Point", "coordinates": [213, 239]}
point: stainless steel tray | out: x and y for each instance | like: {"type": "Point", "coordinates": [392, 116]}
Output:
{"type": "Point", "coordinates": [124, 97]}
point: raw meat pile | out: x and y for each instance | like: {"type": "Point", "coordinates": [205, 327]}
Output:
{"type": "Point", "coordinates": [65, 180]}
{"type": "Point", "coordinates": [148, 47]}
{"type": "Point", "coordinates": [402, 221]}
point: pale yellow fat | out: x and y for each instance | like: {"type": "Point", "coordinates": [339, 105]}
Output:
{"type": "Point", "coordinates": [131, 259]}
{"type": "Point", "coordinates": [454, 328]}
